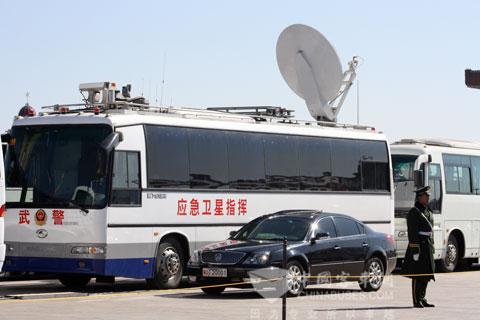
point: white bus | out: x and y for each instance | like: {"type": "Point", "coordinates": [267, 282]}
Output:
{"type": "Point", "coordinates": [2, 207]}
{"type": "Point", "coordinates": [452, 170]}
{"type": "Point", "coordinates": [125, 189]}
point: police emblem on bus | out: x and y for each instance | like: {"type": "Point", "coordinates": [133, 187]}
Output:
{"type": "Point", "coordinates": [42, 233]}
{"type": "Point", "coordinates": [40, 217]}
{"type": "Point", "coordinates": [218, 257]}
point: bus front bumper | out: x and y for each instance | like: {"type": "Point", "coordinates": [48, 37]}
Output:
{"type": "Point", "coordinates": [133, 268]}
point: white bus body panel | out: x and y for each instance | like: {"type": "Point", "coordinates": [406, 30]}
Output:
{"type": "Point", "coordinates": [131, 234]}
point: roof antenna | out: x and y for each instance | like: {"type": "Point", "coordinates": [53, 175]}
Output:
{"type": "Point", "coordinates": [163, 77]}
{"type": "Point", "coordinates": [149, 88]}
{"type": "Point", "coordinates": [27, 95]}
{"type": "Point", "coordinates": [143, 83]}
{"type": "Point", "coordinates": [358, 102]}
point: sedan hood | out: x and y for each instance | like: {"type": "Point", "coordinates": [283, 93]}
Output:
{"type": "Point", "coordinates": [244, 246]}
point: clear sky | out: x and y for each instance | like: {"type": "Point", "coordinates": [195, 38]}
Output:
{"type": "Point", "coordinates": [222, 53]}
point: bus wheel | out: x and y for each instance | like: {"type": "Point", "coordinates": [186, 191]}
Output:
{"type": "Point", "coordinates": [75, 281]}
{"type": "Point", "coordinates": [168, 265]}
{"type": "Point", "coordinates": [449, 263]}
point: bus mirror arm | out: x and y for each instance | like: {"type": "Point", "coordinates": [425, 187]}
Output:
{"type": "Point", "coordinates": [6, 137]}
{"type": "Point", "coordinates": [111, 141]}
{"type": "Point", "coordinates": [418, 178]}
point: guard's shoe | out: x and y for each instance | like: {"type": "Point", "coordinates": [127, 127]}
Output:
{"type": "Point", "coordinates": [417, 305]}
{"type": "Point", "coordinates": [425, 304]}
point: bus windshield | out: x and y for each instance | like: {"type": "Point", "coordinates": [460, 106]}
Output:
{"type": "Point", "coordinates": [57, 166]}
{"type": "Point", "coordinates": [403, 167]}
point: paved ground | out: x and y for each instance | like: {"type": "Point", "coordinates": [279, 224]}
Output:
{"type": "Point", "coordinates": [456, 295]}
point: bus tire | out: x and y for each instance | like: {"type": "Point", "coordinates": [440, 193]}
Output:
{"type": "Point", "coordinates": [450, 261]}
{"type": "Point", "coordinates": [75, 281]}
{"type": "Point", "coordinates": [169, 264]}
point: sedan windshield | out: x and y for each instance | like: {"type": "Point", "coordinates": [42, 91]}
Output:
{"type": "Point", "coordinates": [275, 229]}
{"type": "Point", "coordinates": [57, 166]}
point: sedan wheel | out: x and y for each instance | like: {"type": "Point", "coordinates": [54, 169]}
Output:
{"type": "Point", "coordinates": [374, 273]}
{"type": "Point", "coordinates": [295, 278]}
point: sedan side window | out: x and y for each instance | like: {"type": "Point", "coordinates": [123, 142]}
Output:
{"type": "Point", "coordinates": [326, 225]}
{"type": "Point", "coordinates": [346, 227]}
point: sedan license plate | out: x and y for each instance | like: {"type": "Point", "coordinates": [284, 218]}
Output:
{"type": "Point", "coordinates": [214, 272]}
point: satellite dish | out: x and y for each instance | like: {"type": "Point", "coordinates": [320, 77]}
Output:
{"type": "Point", "coordinates": [311, 67]}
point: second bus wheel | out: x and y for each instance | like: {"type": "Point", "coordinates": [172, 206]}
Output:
{"type": "Point", "coordinates": [169, 264]}
{"type": "Point", "coordinates": [449, 263]}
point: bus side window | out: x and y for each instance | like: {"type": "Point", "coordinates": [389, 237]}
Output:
{"type": "Point", "coordinates": [126, 178]}
{"type": "Point", "coordinates": [457, 174]}
{"type": "Point", "coordinates": [476, 174]}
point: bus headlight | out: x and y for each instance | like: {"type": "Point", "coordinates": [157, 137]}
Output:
{"type": "Point", "coordinates": [257, 258]}
{"type": "Point", "coordinates": [88, 250]}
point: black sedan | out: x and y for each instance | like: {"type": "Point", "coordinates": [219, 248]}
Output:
{"type": "Point", "coordinates": [322, 247]}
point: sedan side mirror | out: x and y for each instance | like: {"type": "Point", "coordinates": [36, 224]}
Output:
{"type": "Point", "coordinates": [233, 233]}
{"type": "Point", "coordinates": [320, 235]}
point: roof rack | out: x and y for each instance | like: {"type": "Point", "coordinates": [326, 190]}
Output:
{"type": "Point", "coordinates": [257, 111]}
{"type": "Point", "coordinates": [103, 97]}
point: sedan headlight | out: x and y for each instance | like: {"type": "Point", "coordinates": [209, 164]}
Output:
{"type": "Point", "coordinates": [195, 257]}
{"type": "Point", "coordinates": [257, 258]}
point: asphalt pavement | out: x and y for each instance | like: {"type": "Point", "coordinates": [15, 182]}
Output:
{"type": "Point", "coordinates": [456, 295]}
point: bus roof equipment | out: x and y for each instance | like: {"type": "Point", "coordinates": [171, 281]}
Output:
{"type": "Point", "coordinates": [311, 67]}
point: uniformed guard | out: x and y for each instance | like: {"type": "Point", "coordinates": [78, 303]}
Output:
{"type": "Point", "coordinates": [419, 263]}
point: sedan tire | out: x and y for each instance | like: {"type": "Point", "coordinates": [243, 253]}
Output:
{"type": "Point", "coordinates": [295, 278]}
{"type": "Point", "coordinates": [213, 291]}
{"type": "Point", "coordinates": [373, 275]}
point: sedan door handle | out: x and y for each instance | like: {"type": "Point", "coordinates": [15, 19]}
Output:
{"type": "Point", "coordinates": [337, 248]}
{"type": "Point", "coordinates": [364, 244]}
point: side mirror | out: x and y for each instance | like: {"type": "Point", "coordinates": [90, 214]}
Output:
{"type": "Point", "coordinates": [111, 141]}
{"type": "Point", "coordinates": [106, 147]}
{"type": "Point", "coordinates": [6, 137]}
{"type": "Point", "coordinates": [320, 235]}
{"type": "Point", "coordinates": [418, 178]}
{"type": "Point", "coordinates": [233, 233]}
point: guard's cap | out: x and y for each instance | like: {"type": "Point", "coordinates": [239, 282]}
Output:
{"type": "Point", "coordinates": [423, 190]}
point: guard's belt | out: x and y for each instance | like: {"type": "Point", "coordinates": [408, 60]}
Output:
{"type": "Point", "coordinates": [425, 233]}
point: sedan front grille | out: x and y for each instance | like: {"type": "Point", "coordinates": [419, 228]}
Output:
{"type": "Point", "coordinates": [222, 257]}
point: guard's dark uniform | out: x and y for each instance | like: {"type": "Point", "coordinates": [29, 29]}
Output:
{"type": "Point", "coordinates": [420, 238]}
